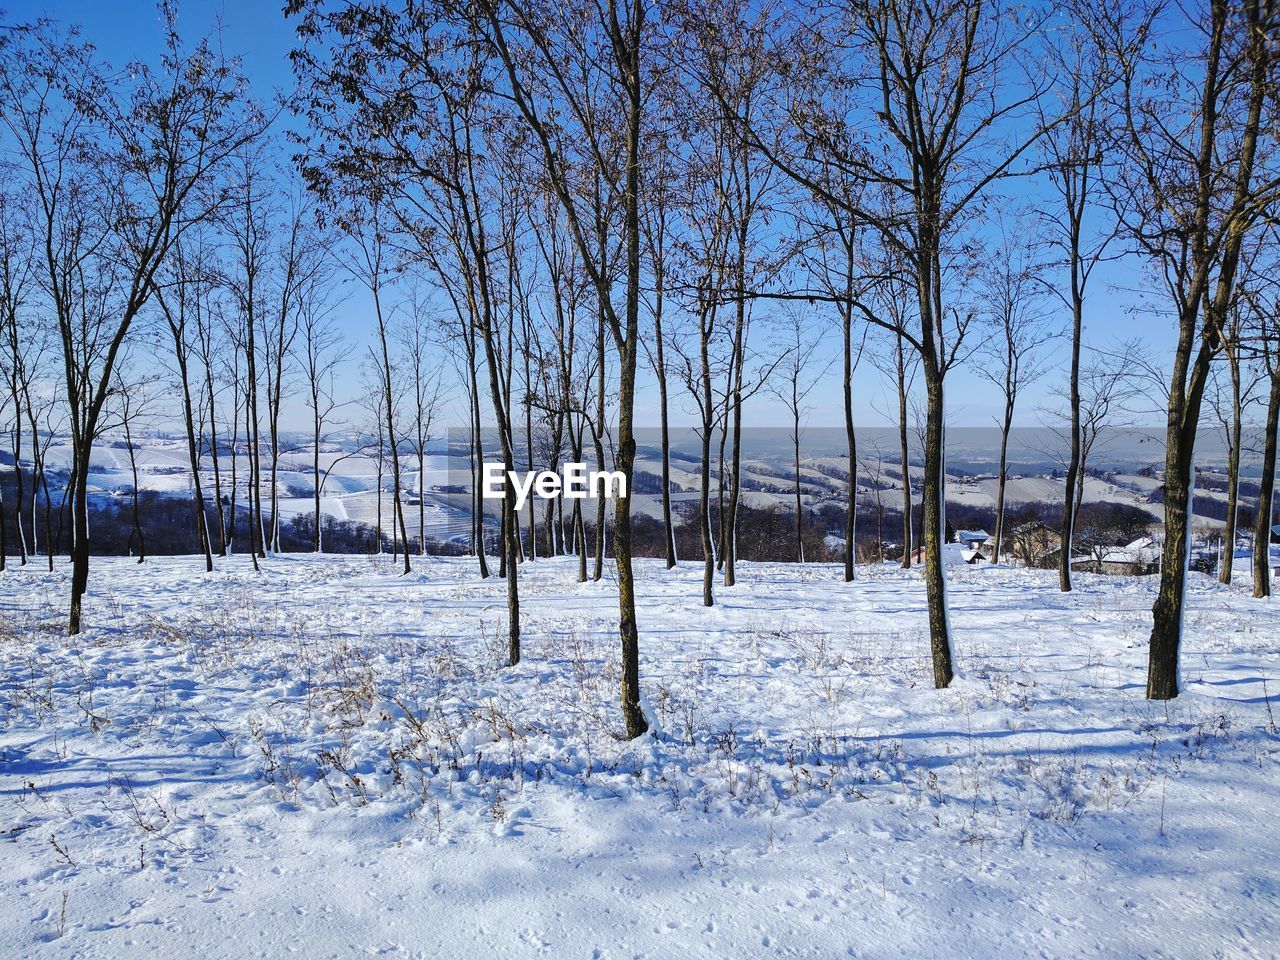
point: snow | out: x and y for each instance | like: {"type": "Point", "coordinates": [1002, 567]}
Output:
{"type": "Point", "coordinates": [327, 759]}
{"type": "Point", "coordinates": [1142, 551]}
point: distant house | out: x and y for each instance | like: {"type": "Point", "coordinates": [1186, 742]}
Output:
{"type": "Point", "coordinates": [1032, 544]}
{"type": "Point", "coordinates": [972, 545]}
{"type": "Point", "coordinates": [1139, 558]}
{"type": "Point", "coordinates": [952, 553]}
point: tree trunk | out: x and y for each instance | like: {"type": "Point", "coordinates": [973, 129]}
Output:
{"type": "Point", "coordinates": [254, 517]}
{"type": "Point", "coordinates": [4, 535]}
{"type": "Point", "coordinates": [256, 547]}
{"type": "Point", "coordinates": [1167, 613]}
{"type": "Point", "coordinates": [18, 493]}
{"type": "Point", "coordinates": [668, 531]}
{"type": "Point", "coordinates": [907, 532]}
{"type": "Point", "coordinates": [1005, 426]}
{"type": "Point", "coordinates": [1185, 397]}
{"type": "Point", "coordinates": [729, 522]}
{"type": "Point", "coordinates": [388, 400]}
{"type": "Point", "coordinates": [1266, 496]}
{"type": "Point", "coordinates": [79, 549]}
{"type": "Point", "coordinates": [422, 497]}
{"type": "Point", "coordinates": [597, 431]}
{"type": "Point", "coordinates": [795, 426]}
{"type": "Point", "coordinates": [315, 476]}
{"type": "Point", "coordinates": [133, 467]}
{"type": "Point", "coordinates": [1070, 503]}
{"type": "Point", "coordinates": [578, 527]}
{"type": "Point", "coordinates": [1233, 477]}
{"type": "Point", "coordinates": [193, 453]}
{"type": "Point", "coordinates": [633, 717]}
{"type": "Point", "coordinates": [934, 533]}
{"type": "Point", "coordinates": [230, 534]}
{"type": "Point", "coordinates": [478, 447]}
{"type": "Point", "coordinates": [851, 509]}
{"type": "Point", "coordinates": [217, 469]}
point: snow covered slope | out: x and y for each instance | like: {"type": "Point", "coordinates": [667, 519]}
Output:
{"type": "Point", "coordinates": [327, 759]}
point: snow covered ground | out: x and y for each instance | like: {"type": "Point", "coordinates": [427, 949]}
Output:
{"type": "Point", "coordinates": [327, 760]}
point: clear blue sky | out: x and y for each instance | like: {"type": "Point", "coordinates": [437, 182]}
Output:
{"type": "Point", "coordinates": [259, 33]}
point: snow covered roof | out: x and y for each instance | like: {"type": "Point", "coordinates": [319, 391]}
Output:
{"type": "Point", "coordinates": [1144, 551]}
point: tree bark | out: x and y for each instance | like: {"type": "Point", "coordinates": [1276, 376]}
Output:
{"type": "Point", "coordinates": [1233, 473]}
{"type": "Point", "coordinates": [934, 534]}
{"type": "Point", "coordinates": [1266, 497]}
{"type": "Point", "coordinates": [851, 507]}
{"type": "Point", "coordinates": [904, 450]}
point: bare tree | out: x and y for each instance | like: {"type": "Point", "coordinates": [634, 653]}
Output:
{"type": "Point", "coordinates": [1228, 402]}
{"type": "Point", "coordinates": [1110, 383]}
{"type": "Point", "coordinates": [611, 41]}
{"type": "Point", "coordinates": [1010, 360]}
{"type": "Point", "coordinates": [795, 382]}
{"type": "Point", "coordinates": [726, 56]}
{"type": "Point", "coordinates": [1079, 227]}
{"type": "Point", "coordinates": [426, 391]}
{"type": "Point", "coordinates": [1261, 341]}
{"type": "Point", "coordinates": [1270, 348]}
{"type": "Point", "coordinates": [247, 220]}
{"type": "Point", "coordinates": [180, 297]}
{"type": "Point", "coordinates": [118, 167]}
{"type": "Point", "coordinates": [660, 185]}
{"type": "Point", "coordinates": [1198, 173]}
{"type": "Point", "coordinates": [833, 257]}
{"type": "Point", "coordinates": [128, 401]}
{"type": "Point", "coordinates": [370, 265]}
{"type": "Point", "coordinates": [702, 265]}
{"type": "Point", "coordinates": [21, 357]}
{"type": "Point", "coordinates": [892, 301]}
{"type": "Point", "coordinates": [302, 271]}
{"type": "Point", "coordinates": [943, 89]}
{"type": "Point", "coordinates": [322, 354]}
{"type": "Point", "coordinates": [445, 174]}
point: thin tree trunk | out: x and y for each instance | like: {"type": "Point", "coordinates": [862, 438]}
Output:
{"type": "Point", "coordinates": [1266, 496]}
{"type": "Point", "coordinates": [1233, 475]}
{"type": "Point", "coordinates": [478, 447]}
{"type": "Point", "coordinates": [795, 438]}
{"type": "Point", "coordinates": [668, 531]}
{"type": "Point", "coordinates": [254, 518]}
{"type": "Point", "coordinates": [315, 472]}
{"type": "Point", "coordinates": [133, 467]}
{"type": "Point", "coordinates": [934, 535]}
{"type": "Point", "coordinates": [193, 453]}
{"type": "Point", "coordinates": [217, 470]}
{"type": "Point", "coordinates": [851, 505]}
{"type": "Point", "coordinates": [906, 461]}
{"type": "Point", "coordinates": [704, 521]}
{"type": "Point", "coordinates": [729, 523]}
{"type": "Point", "coordinates": [388, 401]}
{"type": "Point", "coordinates": [1005, 426]}
{"type": "Point", "coordinates": [1075, 465]}
{"type": "Point", "coordinates": [80, 548]}
{"type": "Point", "coordinates": [256, 546]}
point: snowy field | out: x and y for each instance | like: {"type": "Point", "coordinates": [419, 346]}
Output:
{"type": "Point", "coordinates": [327, 760]}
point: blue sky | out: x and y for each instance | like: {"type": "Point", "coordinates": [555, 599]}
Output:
{"type": "Point", "coordinates": [259, 33]}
